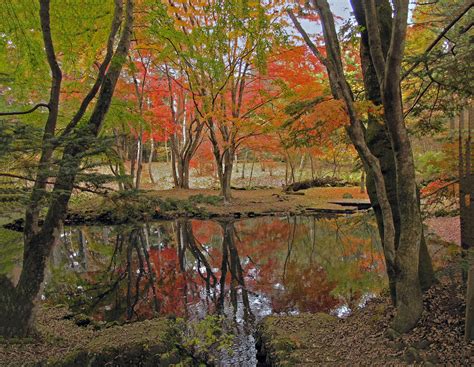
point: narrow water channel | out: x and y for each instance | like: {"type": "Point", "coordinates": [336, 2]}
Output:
{"type": "Point", "coordinates": [242, 270]}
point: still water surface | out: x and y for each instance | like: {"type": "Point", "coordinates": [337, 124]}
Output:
{"type": "Point", "coordinates": [240, 269]}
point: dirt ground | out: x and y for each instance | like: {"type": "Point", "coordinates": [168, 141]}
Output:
{"type": "Point", "coordinates": [360, 339]}
{"type": "Point", "coordinates": [262, 201]}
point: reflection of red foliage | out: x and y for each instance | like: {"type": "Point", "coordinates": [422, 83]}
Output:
{"type": "Point", "coordinates": [307, 290]}
{"type": "Point", "coordinates": [204, 231]}
{"type": "Point", "coordinates": [171, 282]}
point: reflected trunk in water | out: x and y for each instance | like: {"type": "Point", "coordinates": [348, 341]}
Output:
{"type": "Point", "coordinates": [231, 262]}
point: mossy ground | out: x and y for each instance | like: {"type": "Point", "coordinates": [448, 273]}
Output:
{"type": "Point", "coordinates": [60, 342]}
{"type": "Point", "coordinates": [167, 204]}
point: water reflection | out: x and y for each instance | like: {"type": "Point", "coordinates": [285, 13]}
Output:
{"type": "Point", "coordinates": [243, 269]}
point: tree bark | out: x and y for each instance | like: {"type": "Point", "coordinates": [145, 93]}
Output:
{"type": "Point", "coordinates": [466, 197]}
{"type": "Point", "coordinates": [138, 177]}
{"type": "Point", "coordinates": [388, 70]}
{"type": "Point", "coordinates": [377, 136]}
{"type": "Point", "coordinates": [19, 299]}
{"type": "Point", "coordinates": [402, 257]}
{"type": "Point", "coordinates": [150, 160]}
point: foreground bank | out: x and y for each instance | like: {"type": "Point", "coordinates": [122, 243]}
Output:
{"type": "Point", "coordinates": [363, 338]}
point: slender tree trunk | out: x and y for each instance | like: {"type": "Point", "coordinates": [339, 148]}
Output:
{"type": "Point", "coordinates": [174, 168]}
{"type": "Point", "coordinates": [138, 179]}
{"type": "Point", "coordinates": [150, 160]}
{"type": "Point", "coordinates": [362, 182]}
{"type": "Point", "coordinates": [133, 159]}
{"type": "Point", "coordinates": [226, 176]}
{"type": "Point", "coordinates": [243, 165]}
{"type": "Point", "coordinates": [251, 172]}
{"type": "Point", "coordinates": [302, 165]}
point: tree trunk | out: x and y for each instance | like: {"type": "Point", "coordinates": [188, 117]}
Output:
{"type": "Point", "coordinates": [466, 197]}
{"type": "Point", "coordinates": [133, 159]}
{"type": "Point", "coordinates": [377, 136]}
{"type": "Point", "coordinates": [302, 164]}
{"type": "Point", "coordinates": [174, 168]}
{"type": "Point", "coordinates": [184, 179]}
{"type": "Point", "coordinates": [243, 165]}
{"type": "Point", "coordinates": [150, 160]}
{"type": "Point", "coordinates": [402, 256]}
{"type": "Point", "coordinates": [251, 172]}
{"type": "Point", "coordinates": [388, 70]}
{"type": "Point", "coordinates": [17, 303]}
{"type": "Point", "coordinates": [139, 160]}
{"type": "Point", "coordinates": [16, 311]}
{"type": "Point", "coordinates": [225, 177]}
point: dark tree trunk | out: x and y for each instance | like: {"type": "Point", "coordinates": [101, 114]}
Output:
{"type": "Point", "coordinates": [17, 306]}
{"type": "Point", "coordinates": [402, 256]}
{"type": "Point", "coordinates": [226, 176]}
{"type": "Point", "coordinates": [378, 139]}
{"type": "Point", "coordinates": [466, 198]}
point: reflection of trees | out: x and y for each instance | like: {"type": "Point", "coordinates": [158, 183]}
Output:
{"type": "Point", "coordinates": [230, 268]}
{"type": "Point", "coordinates": [189, 267]}
{"type": "Point", "coordinates": [149, 272]}
{"type": "Point", "coordinates": [290, 241]}
{"type": "Point", "coordinates": [130, 246]}
{"type": "Point", "coordinates": [231, 262]}
{"type": "Point", "coordinates": [187, 241]}
{"type": "Point", "coordinates": [139, 242]}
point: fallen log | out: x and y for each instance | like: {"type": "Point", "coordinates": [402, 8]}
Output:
{"type": "Point", "coordinates": [318, 182]}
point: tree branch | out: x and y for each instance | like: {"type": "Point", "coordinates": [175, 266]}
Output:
{"type": "Point", "coordinates": [13, 113]}
{"type": "Point", "coordinates": [102, 69]}
{"type": "Point", "coordinates": [375, 42]}
{"type": "Point", "coordinates": [440, 37]}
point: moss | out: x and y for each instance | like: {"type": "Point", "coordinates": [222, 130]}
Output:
{"type": "Point", "coordinates": [61, 343]}
{"type": "Point", "coordinates": [281, 338]}
{"type": "Point", "coordinates": [283, 345]}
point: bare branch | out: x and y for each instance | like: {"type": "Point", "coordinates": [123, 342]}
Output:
{"type": "Point", "coordinates": [13, 113]}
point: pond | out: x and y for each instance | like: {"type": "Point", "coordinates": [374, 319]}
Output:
{"type": "Point", "coordinates": [240, 269]}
